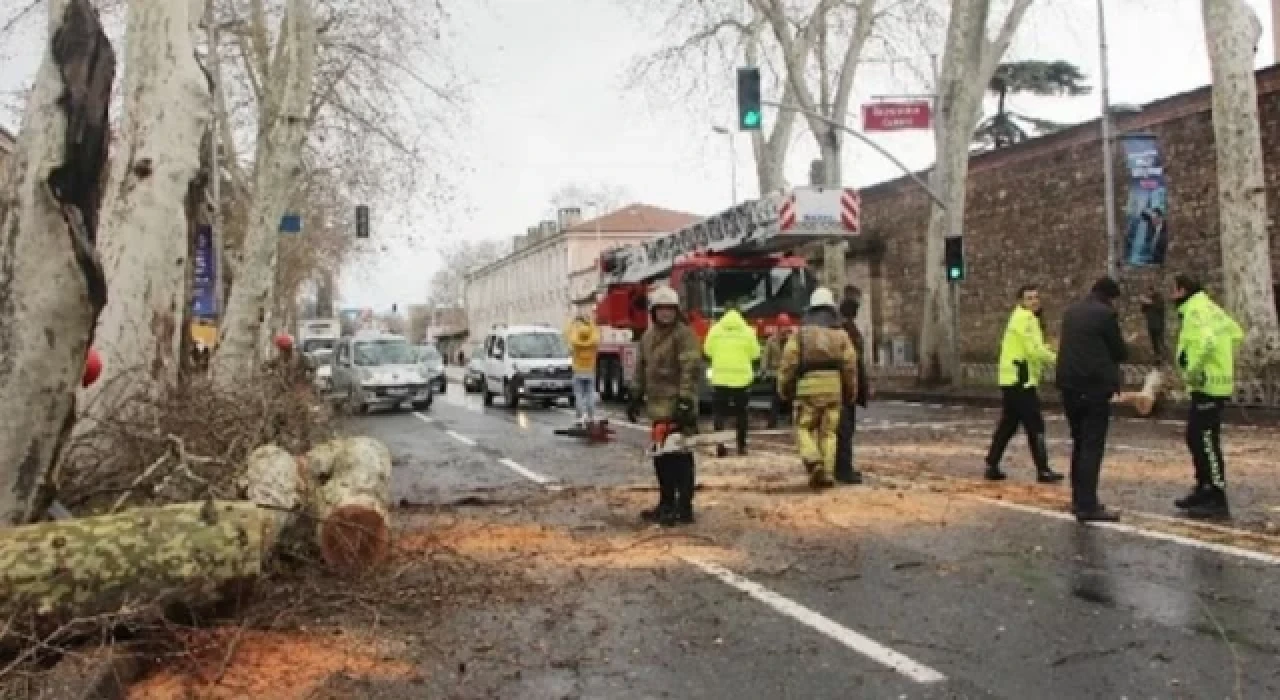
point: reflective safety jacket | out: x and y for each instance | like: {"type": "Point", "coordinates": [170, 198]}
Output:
{"type": "Point", "coordinates": [584, 343]}
{"type": "Point", "coordinates": [1206, 346]}
{"type": "Point", "coordinates": [1023, 354]}
{"type": "Point", "coordinates": [819, 362]}
{"type": "Point", "coordinates": [732, 347]}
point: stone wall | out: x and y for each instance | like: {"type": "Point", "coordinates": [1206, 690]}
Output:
{"type": "Point", "coordinates": [1035, 214]}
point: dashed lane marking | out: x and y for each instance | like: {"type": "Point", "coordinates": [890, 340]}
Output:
{"type": "Point", "coordinates": [460, 438]}
{"type": "Point", "coordinates": [523, 471]}
{"type": "Point", "coordinates": [861, 644]}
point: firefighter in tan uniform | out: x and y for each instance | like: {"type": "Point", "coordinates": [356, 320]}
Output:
{"type": "Point", "coordinates": [666, 387]}
{"type": "Point", "coordinates": [819, 371]}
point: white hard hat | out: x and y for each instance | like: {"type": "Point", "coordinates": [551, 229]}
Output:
{"type": "Point", "coordinates": [822, 297]}
{"type": "Point", "coordinates": [663, 296]}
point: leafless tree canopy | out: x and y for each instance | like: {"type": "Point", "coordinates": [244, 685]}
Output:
{"type": "Point", "coordinates": [458, 258]}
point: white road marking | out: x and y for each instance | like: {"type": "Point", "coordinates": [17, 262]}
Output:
{"type": "Point", "coordinates": [1227, 549]}
{"type": "Point", "coordinates": [522, 471]}
{"type": "Point", "coordinates": [816, 621]}
{"type": "Point", "coordinates": [423, 418]}
{"type": "Point", "coordinates": [460, 438]}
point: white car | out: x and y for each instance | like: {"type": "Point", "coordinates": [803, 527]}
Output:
{"type": "Point", "coordinates": [379, 370]}
{"type": "Point", "coordinates": [526, 362]}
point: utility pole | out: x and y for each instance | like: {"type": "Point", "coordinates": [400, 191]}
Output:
{"type": "Point", "coordinates": [733, 162]}
{"type": "Point", "coordinates": [1108, 166]}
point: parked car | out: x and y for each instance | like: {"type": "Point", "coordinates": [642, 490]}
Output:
{"type": "Point", "coordinates": [526, 362]}
{"type": "Point", "coordinates": [322, 361]}
{"type": "Point", "coordinates": [473, 377]}
{"type": "Point", "coordinates": [379, 370]}
{"type": "Point", "coordinates": [432, 364]}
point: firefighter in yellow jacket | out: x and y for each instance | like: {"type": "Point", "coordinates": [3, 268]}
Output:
{"type": "Point", "coordinates": [819, 371]}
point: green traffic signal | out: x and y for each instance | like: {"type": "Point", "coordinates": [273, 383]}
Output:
{"type": "Point", "coordinates": [953, 273]}
{"type": "Point", "coordinates": [749, 118]}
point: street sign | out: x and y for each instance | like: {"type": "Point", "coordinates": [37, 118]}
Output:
{"type": "Point", "coordinates": [896, 116]}
{"type": "Point", "coordinates": [291, 224]}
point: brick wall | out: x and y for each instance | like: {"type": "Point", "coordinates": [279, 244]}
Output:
{"type": "Point", "coordinates": [1035, 214]}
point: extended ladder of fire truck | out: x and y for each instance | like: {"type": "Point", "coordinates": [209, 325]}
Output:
{"type": "Point", "coordinates": [749, 243]}
{"type": "Point", "coordinates": [775, 223]}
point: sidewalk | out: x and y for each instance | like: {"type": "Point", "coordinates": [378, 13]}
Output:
{"type": "Point", "coordinates": [1052, 401]}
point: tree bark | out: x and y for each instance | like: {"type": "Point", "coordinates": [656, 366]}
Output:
{"type": "Point", "coordinates": [188, 553]}
{"type": "Point", "coordinates": [51, 283]}
{"type": "Point", "coordinates": [281, 133]}
{"type": "Point", "coordinates": [350, 490]}
{"type": "Point", "coordinates": [969, 61]}
{"type": "Point", "coordinates": [276, 481]}
{"type": "Point", "coordinates": [144, 238]}
{"type": "Point", "coordinates": [1232, 32]}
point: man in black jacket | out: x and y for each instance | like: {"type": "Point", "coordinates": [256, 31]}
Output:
{"type": "Point", "coordinates": [845, 472]}
{"type": "Point", "coordinates": [1089, 375]}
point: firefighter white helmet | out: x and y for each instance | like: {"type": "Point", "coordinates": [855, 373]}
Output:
{"type": "Point", "coordinates": [822, 297]}
{"type": "Point", "coordinates": [663, 296]}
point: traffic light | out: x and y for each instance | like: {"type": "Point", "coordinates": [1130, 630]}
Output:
{"type": "Point", "coordinates": [362, 221]}
{"type": "Point", "coordinates": [953, 258]}
{"type": "Point", "coordinates": [749, 116]}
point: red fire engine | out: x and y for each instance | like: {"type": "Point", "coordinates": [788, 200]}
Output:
{"type": "Point", "coordinates": [742, 254]}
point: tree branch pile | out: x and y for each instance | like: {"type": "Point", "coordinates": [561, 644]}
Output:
{"type": "Point", "coordinates": [190, 444]}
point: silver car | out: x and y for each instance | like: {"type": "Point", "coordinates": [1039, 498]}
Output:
{"type": "Point", "coordinates": [432, 365]}
{"type": "Point", "coordinates": [379, 370]}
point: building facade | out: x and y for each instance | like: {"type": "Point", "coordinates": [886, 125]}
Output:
{"type": "Point", "coordinates": [1034, 213]}
{"type": "Point", "coordinates": [554, 263]}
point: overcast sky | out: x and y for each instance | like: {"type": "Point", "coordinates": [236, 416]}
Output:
{"type": "Point", "coordinates": [551, 109]}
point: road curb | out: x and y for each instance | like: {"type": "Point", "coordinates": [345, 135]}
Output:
{"type": "Point", "coordinates": [1052, 402]}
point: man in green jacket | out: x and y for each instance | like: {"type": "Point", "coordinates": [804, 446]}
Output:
{"type": "Point", "coordinates": [1023, 356]}
{"type": "Point", "coordinates": [1206, 360]}
{"type": "Point", "coordinates": [732, 347]}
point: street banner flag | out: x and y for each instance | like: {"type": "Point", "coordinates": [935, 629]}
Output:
{"type": "Point", "coordinates": [1146, 237]}
{"type": "Point", "coordinates": [204, 275]}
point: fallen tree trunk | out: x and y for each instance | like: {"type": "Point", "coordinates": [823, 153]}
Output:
{"type": "Point", "coordinates": [69, 574]}
{"type": "Point", "coordinates": [350, 481]}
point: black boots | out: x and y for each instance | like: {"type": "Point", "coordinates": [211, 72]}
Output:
{"type": "Point", "coordinates": [1205, 502]}
{"type": "Point", "coordinates": [1039, 455]}
{"type": "Point", "coordinates": [676, 483]}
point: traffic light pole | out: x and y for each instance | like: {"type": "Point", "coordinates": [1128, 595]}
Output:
{"type": "Point", "coordinates": [863, 138]}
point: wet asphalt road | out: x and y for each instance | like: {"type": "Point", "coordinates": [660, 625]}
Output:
{"type": "Point", "coordinates": [989, 603]}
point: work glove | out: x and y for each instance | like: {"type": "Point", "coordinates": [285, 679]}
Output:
{"type": "Point", "coordinates": [634, 405]}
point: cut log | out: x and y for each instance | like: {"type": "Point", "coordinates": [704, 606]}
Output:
{"type": "Point", "coordinates": [350, 490]}
{"type": "Point", "coordinates": [276, 481]}
{"type": "Point", "coordinates": [193, 554]}
{"type": "Point", "coordinates": [1144, 401]}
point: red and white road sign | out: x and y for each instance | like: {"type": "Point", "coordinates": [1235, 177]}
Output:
{"type": "Point", "coordinates": [896, 116]}
{"type": "Point", "coordinates": [809, 207]}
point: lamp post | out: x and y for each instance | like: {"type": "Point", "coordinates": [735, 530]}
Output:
{"type": "Point", "coordinates": [1108, 165]}
{"type": "Point", "coordinates": [733, 162]}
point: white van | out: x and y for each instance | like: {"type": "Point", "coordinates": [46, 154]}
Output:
{"type": "Point", "coordinates": [526, 362]}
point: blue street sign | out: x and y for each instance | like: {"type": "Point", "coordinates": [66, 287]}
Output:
{"type": "Point", "coordinates": [291, 223]}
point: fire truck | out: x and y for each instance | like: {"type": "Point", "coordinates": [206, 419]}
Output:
{"type": "Point", "coordinates": [746, 254]}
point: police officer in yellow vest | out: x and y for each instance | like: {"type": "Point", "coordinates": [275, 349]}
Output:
{"type": "Point", "coordinates": [819, 371]}
{"type": "Point", "coordinates": [1023, 357]}
{"type": "Point", "coordinates": [1205, 357]}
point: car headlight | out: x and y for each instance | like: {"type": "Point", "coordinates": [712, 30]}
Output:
{"type": "Point", "coordinates": [366, 375]}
